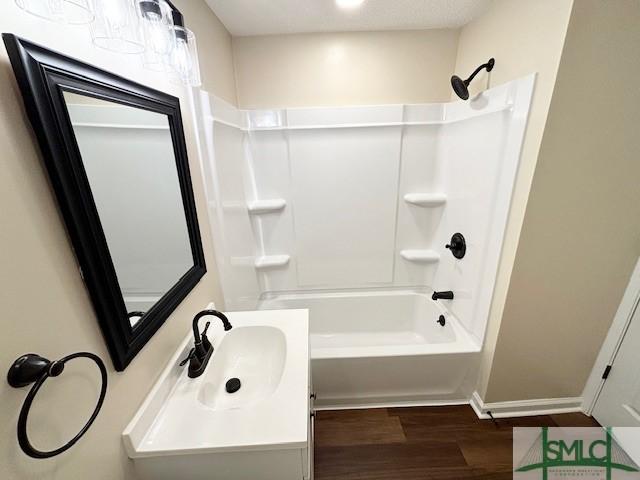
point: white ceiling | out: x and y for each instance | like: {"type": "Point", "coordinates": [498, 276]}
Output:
{"type": "Point", "coordinates": [266, 17]}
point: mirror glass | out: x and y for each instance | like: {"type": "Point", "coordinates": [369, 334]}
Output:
{"type": "Point", "coordinates": [129, 159]}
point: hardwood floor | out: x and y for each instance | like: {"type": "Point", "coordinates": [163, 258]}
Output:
{"type": "Point", "coordinates": [424, 443]}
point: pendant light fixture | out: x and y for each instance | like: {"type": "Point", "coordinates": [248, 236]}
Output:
{"type": "Point", "coordinates": [117, 26]}
{"type": "Point", "coordinates": [184, 53]}
{"type": "Point", "coordinates": [184, 57]}
{"type": "Point", "coordinates": [153, 28]}
{"type": "Point", "coordinates": [157, 30]}
{"type": "Point", "coordinates": [72, 12]}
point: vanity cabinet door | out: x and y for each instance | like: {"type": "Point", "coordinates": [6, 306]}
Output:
{"type": "Point", "coordinates": [311, 445]}
{"type": "Point", "coordinates": [307, 454]}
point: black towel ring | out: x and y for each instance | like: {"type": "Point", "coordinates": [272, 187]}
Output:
{"type": "Point", "coordinates": [32, 368]}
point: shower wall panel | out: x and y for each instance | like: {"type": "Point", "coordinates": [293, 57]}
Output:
{"type": "Point", "coordinates": [229, 187]}
{"type": "Point", "coordinates": [473, 149]}
{"type": "Point", "coordinates": [269, 155]}
{"type": "Point", "coordinates": [368, 197]}
{"type": "Point", "coordinates": [345, 186]}
{"type": "Point", "coordinates": [417, 225]}
{"type": "Point", "coordinates": [480, 151]}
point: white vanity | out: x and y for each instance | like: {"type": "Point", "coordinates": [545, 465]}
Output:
{"type": "Point", "coordinates": [192, 429]}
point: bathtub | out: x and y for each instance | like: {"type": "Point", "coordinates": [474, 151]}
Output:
{"type": "Point", "coordinates": [384, 348]}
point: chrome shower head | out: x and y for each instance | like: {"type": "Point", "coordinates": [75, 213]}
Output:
{"type": "Point", "coordinates": [461, 86]}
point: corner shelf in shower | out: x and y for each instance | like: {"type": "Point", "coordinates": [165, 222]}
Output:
{"type": "Point", "coordinates": [420, 256]}
{"type": "Point", "coordinates": [426, 199]}
{"type": "Point", "coordinates": [271, 261]}
{"type": "Point", "coordinates": [259, 207]}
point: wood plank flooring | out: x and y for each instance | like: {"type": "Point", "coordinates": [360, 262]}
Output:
{"type": "Point", "coordinates": [423, 443]}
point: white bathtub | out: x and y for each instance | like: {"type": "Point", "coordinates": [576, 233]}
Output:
{"type": "Point", "coordinates": [384, 348]}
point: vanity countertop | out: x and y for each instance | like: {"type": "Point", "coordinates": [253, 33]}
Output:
{"type": "Point", "coordinates": [180, 417]}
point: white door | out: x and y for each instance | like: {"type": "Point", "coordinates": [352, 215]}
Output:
{"type": "Point", "coordinates": [619, 402]}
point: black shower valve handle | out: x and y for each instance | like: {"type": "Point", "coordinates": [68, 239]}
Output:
{"type": "Point", "coordinates": [452, 245]}
{"type": "Point", "coordinates": [457, 245]}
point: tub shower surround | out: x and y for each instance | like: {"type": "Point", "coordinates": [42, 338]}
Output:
{"type": "Point", "coordinates": [347, 211]}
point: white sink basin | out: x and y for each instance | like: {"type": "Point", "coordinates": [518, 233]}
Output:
{"type": "Point", "coordinates": [254, 355]}
{"type": "Point", "coordinates": [269, 352]}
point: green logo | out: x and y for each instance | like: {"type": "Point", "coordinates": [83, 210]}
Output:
{"type": "Point", "coordinates": [594, 453]}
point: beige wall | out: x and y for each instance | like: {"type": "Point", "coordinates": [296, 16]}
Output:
{"type": "Point", "coordinates": [581, 232]}
{"type": "Point", "coordinates": [45, 307]}
{"type": "Point", "coordinates": [214, 48]}
{"type": "Point", "coordinates": [333, 69]}
{"type": "Point", "coordinates": [524, 37]}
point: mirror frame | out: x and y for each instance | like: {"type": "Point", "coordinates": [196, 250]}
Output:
{"type": "Point", "coordinates": [43, 76]}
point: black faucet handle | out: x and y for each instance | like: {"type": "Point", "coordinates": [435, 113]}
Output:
{"type": "Point", "coordinates": [189, 357]}
{"type": "Point", "coordinates": [206, 344]}
{"type": "Point", "coordinates": [206, 327]}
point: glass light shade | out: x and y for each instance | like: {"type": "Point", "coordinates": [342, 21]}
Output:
{"type": "Point", "coordinates": [184, 57]}
{"type": "Point", "coordinates": [73, 12]}
{"type": "Point", "coordinates": [117, 26]}
{"type": "Point", "coordinates": [157, 23]}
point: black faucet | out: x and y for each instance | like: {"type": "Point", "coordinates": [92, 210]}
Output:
{"type": "Point", "coordinates": [202, 349]}
{"type": "Point", "coordinates": [448, 295]}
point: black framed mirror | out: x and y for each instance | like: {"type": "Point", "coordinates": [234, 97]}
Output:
{"type": "Point", "coordinates": [117, 160]}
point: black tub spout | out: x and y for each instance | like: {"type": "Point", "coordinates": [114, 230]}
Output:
{"type": "Point", "coordinates": [448, 295]}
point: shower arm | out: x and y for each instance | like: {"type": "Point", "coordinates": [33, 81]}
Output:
{"type": "Point", "coordinates": [476, 71]}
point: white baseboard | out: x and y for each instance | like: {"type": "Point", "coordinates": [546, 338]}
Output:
{"type": "Point", "coordinates": [383, 402]}
{"type": "Point", "coordinates": [518, 408]}
{"type": "Point", "coordinates": [525, 408]}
